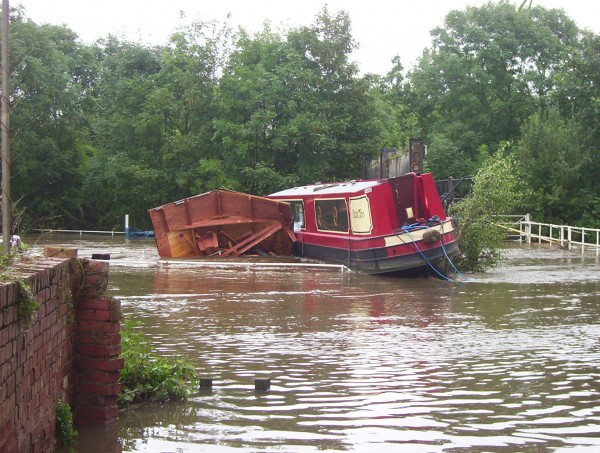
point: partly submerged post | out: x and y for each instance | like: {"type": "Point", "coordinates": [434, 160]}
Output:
{"type": "Point", "coordinates": [206, 383]}
{"type": "Point", "coordinates": [262, 384]}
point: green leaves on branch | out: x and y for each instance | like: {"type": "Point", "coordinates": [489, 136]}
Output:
{"type": "Point", "coordinates": [497, 190]}
{"type": "Point", "coordinates": [149, 377]}
{"type": "Point", "coordinates": [66, 434]}
{"type": "Point", "coordinates": [553, 155]}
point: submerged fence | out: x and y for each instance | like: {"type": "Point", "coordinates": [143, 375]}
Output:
{"type": "Point", "coordinates": [568, 237]}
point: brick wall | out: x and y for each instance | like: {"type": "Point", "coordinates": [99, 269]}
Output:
{"type": "Point", "coordinates": [68, 351]}
{"type": "Point", "coordinates": [98, 343]}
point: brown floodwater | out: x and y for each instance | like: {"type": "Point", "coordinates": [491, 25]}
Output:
{"type": "Point", "coordinates": [508, 360]}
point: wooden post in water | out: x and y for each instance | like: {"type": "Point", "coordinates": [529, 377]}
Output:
{"type": "Point", "coordinates": [262, 384]}
{"type": "Point", "coordinates": [206, 383]}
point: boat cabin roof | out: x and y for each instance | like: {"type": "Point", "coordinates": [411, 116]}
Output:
{"type": "Point", "coordinates": [336, 188]}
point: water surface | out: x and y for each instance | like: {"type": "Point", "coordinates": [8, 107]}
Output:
{"type": "Point", "coordinates": [502, 361]}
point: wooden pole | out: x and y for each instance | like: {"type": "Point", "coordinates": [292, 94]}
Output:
{"type": "Point", "coordinates": [6, 204]}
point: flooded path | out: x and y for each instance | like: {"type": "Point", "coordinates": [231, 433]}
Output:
{"type": "Point", "coordinates": [504, 361]}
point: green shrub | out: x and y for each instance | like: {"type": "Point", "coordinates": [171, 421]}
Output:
{"type": "Point", "coordinates": [26, 303]}
{"type": "Point", "coordinates": [497, 190]}
{"type": "Point", "coordinates": [148, 377]}
{"type": "Point", "coordinates": [65, 433]}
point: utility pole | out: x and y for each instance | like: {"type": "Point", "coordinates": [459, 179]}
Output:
{"type": "Point", "coordinates": [6, 204]}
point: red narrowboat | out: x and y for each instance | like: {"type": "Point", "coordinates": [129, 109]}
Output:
{"type": "Point", "coordinates": [375, 226]}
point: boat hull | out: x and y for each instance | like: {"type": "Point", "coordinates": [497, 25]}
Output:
{"type": "Point", "coordinates": [413, 250]}
{"type": "Point", "coordinates": [378, 261]}
{"type": "Point", "coordinates": [383, 264]}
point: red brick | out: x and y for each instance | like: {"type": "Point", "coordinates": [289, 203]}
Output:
{"type": "Point", "coordinates": [101, 377]}
{"type": "Point", "coordinates": [93, 388]}
{"type": "Point", "coordinates": [10, 315]}
{"type": "Point", "coordinates": [109, 339]}
{"type": "Point", "coordinates": [99, 350]}
{"type": "Point", "coordinates": [99, 326]}
{"type": "Point", "coordinates": [9, 443]}
{"type": "Point", "coordinates": [102, 364]}
{"type": "Point", "coordinates": [98, 280]}
{"type": "Point", "coordinates": [5, 353]}
{"type": "Point", "coordinates": [85, 314]}
{"type": "Point", "coordinates": [94, 304]}
{"type": "Point", "coordinates": [59, 252]}
{"type": "Point", "coordinates": [92, 266]}
{"type": "Point", "coordinates": [102, 315]}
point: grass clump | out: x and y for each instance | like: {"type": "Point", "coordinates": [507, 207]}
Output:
{"type": "Point", "coordinates": [148, 377]}
{"type": "Point", "coordinates": [27, 305]}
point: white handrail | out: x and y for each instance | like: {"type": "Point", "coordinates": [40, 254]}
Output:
{"type": "Point", "coordinates": [80, 232]}
{"type": "Point", "coordinates": [565, 235]}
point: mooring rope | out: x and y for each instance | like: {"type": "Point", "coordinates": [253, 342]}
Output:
{"type": "Point", "coordinates": [446, 254]}
{"type": "Point", "coordinates": [444, 277]}
{"type": "Point", "coordinates": [417, 226]}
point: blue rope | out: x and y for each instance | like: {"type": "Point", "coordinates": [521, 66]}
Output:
{"type": "Point", "coordinates": [425, 258]}
{"type": "Point", "coordinates": [447, 257]}
{"type": "Point", "coordinates": [418, 226]}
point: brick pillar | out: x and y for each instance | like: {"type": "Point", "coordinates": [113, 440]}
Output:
{"type": "Point", "coordinates": [98, 346]}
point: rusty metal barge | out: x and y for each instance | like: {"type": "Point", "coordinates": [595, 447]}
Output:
{"type": "Point", "coordinates": [222, 223]}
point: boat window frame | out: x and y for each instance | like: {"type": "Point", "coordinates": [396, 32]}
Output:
{"type": "Point", "coordinates": [367, 214]}
{"type": "Point", "coordinates": [335, 226]}
{"type": "Point", "coordinates": [294, 212]}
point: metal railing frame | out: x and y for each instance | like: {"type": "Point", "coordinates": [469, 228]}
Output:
{"type": "Point", "coordinates": [565, 236]}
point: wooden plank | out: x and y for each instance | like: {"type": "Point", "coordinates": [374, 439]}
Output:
{"type": "Point", "coordinates": [247, 244]}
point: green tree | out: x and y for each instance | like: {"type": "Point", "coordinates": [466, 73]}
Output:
{"type": "Point", "coordinates": [488, 70]}
{"type": "Point", "coordinates": [292, 108]}
{"type": "Point", "coordinates": [497, 190]}
{"type": "Point", "coordinates": [125, 174]}
{"type": "Point", "coordinates": [552, 156]}
{"type": "Point", "coordinates": [394, 112]}
{"type": "Point", "coordinates": [578, 97]}
{"type": "Point", "coordinates": [50, 144]}
{"type": "Point", "coordinates": [153, 123]}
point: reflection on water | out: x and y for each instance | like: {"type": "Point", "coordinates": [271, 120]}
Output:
{"type": "Point", "coordinates": [505, 361]}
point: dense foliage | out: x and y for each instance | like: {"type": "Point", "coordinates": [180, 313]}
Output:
{"type": "Point", "coordinates": [497, 189]}
{"type": "Point", "coordinates": [66, 434]}
{"type": "Point", "coordinates": [116, 127]}
{"type": "Point", "coordinates": [149, 377]}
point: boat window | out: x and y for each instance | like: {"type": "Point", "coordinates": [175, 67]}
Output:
{"type": "Point", "coordinates": [297, 208]}
{"type": "Point", "coordinates": [297, 211]}
{"type": "Point", "coordinates": [360, 215]}
{"type": "Point", "coordinates": [332, 215]}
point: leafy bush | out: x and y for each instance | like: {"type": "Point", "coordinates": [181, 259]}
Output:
{"type": "Point", "coordinates": [497, 190]}
{"type": "Point", "coordinates": [65, 433]}
{"type": "Point", "coordinates": [148, 377]}
{"type": "Point", "coordinates": [27, 305]}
